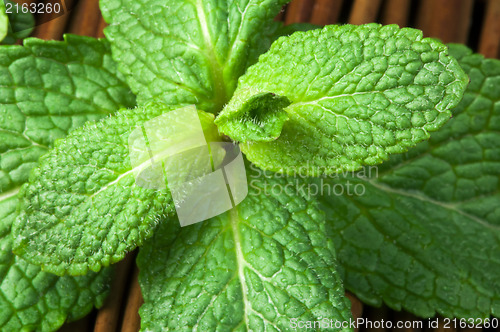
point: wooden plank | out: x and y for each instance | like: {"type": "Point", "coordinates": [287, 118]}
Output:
{"type": "Point", "coordinates": [131, 318]}
{"type": "Point", "coordinates": [53, 28]}
{"type": "Point", "coordinates": [462, 33]}
{"type": "Point", "coordinates": [109, 314]}
{"type": "Point", "coordinates": [86, 18]}
{"type": "Point", "coordinates": [396, 12]}
{"type": "Point", "coordinates": [298, 11]}
{"type": "Point", "coordinates": [364, 11]}
{"type": "Point", "coordinates": [356, 307]}
{"type": "Point", "coordinates": [424, 16]}
{"type": "Point", "coordinates": [448, 20]}
{"type": "Point", "coordinates": [489, 44]}
{"type": "Point", "coordinates": [326, 12]}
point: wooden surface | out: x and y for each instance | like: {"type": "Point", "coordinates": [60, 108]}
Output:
{"type": "Point", "coordinates": [473, 22]}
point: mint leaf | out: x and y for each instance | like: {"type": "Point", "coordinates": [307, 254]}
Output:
{"type": "Point", "coordinates": [256, 267]}
{"type": "Point", "coordinates": [261, 117]}
{"type": "Point", "coordinates": [188, 52]}
{"type": "Point", "coordinates": [20, 25]}
{"type": "Point", "coordinates": [4, 22]}
{"type": "Point", "coordinates": [49, 88]}
{"type": "Point", "coordinates": [37, 107]}
{"type": "Point", "coordinates": [82, 209]}
{"type": "Point", "coordinates": [425, 236]}
{"type": "Point", "coordinates": [34, 300]}
{"type": "Point", "coordinates": [358, 94]}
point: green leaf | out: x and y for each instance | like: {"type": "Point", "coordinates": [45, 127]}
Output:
{"type": "Point", "coordinates": [189, 51]}
{"type": "Point", "coordinates": [4, 22]}
{"type": "Point", "coordinates": [254, 268]}
{"type": "Point", "coordinates": [260, 117]}
{"type": "Point", "coordinates": [358, 94]}
{"type": "Point", "coordinates": [49, 88]}
{"type": "Point", "coordinates": [82, 209]}
{"type": "Point", "coordinates": [34, 300]}
{"type": "Point", "coordinates": [20, 25]}
{"type": "Point", "coordinates": [425, 235]}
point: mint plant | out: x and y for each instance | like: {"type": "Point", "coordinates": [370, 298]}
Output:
{"type": "Point", "coordinates": [426, 231]}
{"type": "Point", "coordinates": [48, 88]}
{"type": "Point", "coordinates": [307, 109]}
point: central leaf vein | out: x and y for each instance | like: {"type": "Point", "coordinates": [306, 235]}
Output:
{"type": "Point", "coordinates": [240, 260]}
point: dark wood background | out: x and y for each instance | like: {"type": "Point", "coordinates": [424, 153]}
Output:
{"type": "Point", "coordinates": [472, 22]}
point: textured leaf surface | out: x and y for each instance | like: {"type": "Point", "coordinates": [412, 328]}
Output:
{"type": "Point", "coordinates": [34, 300]}
{"type": "Point", "coordinates": [37, 107]}
{"type": "Point", "coordinates": [253, 268]}
{"type": "Point", "coordinates": [189, 51]}
{"type": "Point", "coordinates": [47, 89]}
{"type": "Point", "coordinates": [4, 22]}
{"type": "Point", "coordinates": [19, 26]}
{"type": "Point", "coordinates": [426, 234]}
{"type": "Point", "coordinates": [358, 94]}
{"type": "Point", "coordinates": [81, 208]}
